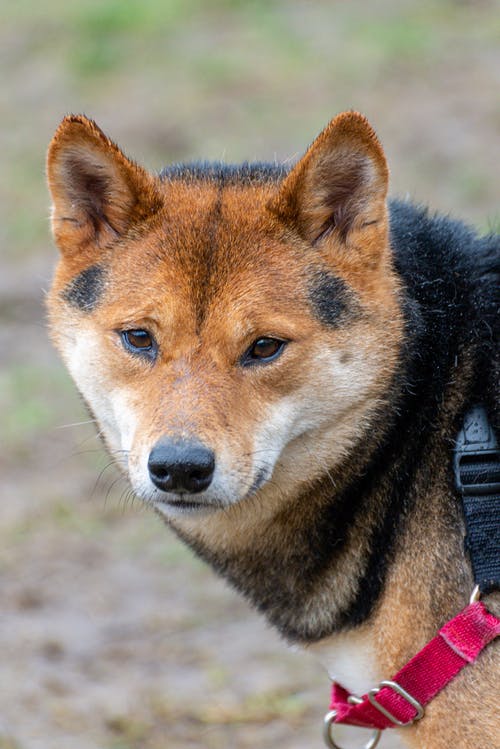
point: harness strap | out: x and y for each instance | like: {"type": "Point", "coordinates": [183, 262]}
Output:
{"type": "Point", "coordinates": [477, 476]}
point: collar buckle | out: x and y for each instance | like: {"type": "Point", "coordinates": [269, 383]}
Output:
{"type": "Point", "coordinates": [402, 693]}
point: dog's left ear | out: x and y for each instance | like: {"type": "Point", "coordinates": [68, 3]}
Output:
{"type": "Point", "coordinates": [97, 192]}
{"type": "Point", "coordinates": [340, 184]}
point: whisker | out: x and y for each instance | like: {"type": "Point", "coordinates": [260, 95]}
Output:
{"type": "Point", "coordinates": [101, 474]}
{"type": "Point", "coordinates": [111, 486]}
{"type": "Point", "coordinates": [77, 424]}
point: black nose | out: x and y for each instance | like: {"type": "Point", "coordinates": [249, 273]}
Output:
{"type": "Point", "coordinates": [181, 467]}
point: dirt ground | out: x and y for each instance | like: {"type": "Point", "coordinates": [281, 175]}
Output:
{"type": "Point", "coordinates": [112, 635]}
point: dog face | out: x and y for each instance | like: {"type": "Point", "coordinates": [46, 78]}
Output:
{"type": "Point", "coordinates": [232, 330]}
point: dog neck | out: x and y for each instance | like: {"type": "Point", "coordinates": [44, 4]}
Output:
{"type": "Point", "coordinates": [320, 564]}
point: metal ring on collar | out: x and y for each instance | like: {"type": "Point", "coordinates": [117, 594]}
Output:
{"type": "Point", "coordinates": [328, 726]}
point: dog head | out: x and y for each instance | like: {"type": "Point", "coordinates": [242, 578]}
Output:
{"type": "Point", "coordinates": [232, 329]}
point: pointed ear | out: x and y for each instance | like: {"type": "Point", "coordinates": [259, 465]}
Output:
{"type": "Point", "coordinates": [97, 193]}
{"type": "Point", "coordinates": [339, 185]}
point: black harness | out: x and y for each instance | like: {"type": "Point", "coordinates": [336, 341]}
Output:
{"type": "Point", "coordinates": [477, 477]}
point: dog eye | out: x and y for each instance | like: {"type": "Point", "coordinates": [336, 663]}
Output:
{"type": "Point", "coordinates": [263, 350]}
{"type": "Point", "coordinates": [138, 341]}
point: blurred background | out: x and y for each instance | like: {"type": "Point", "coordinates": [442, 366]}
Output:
{"type": "Point", "coordinates": [112, 635]}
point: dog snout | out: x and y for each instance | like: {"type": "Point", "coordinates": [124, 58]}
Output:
{"type": "Point", "coordinates": [181, 467]}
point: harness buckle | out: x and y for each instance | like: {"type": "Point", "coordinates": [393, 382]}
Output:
{"type": "Point", "coordinates": [402, 693]}
{"type": "Point", "coordinates": [477, 457]}
{"type": "Point", "coordinates": [475, 595]}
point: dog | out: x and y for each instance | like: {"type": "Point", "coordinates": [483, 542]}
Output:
{"type": "Point", "coordinates": [280, 360]}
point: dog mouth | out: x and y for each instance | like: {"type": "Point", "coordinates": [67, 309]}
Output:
{"type": "Point", "coordinates": [176, 504]}
{"type": "Point", "coordinates": [184, 505]}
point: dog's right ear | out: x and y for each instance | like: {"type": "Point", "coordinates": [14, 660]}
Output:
{"type": "Point", "coordinates": [97, 192]}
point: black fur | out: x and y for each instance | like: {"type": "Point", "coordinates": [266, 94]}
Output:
{"type": "Point", "coordinates": [244, 174]}
{"type": "Point", "coordinates": [451, 279]}
{"type": "Point", "coordinates": [450, 300]}
{"type": "Point", "coordinates": [451, 296]}
{"type": "Point", "coordinates": [85, 290]}
{"type": "Point", "coordinates": [329, 296]}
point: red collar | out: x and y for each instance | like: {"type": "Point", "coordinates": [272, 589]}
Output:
{"type": "Point", "coordinates": [401, 701]}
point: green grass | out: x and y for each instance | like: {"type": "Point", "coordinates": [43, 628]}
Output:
{"type": "Point", "coordinates": [106, 33]}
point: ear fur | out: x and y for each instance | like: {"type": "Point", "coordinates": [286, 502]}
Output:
{"type": "Point", "coordinates": [97, 192]}
{"type": "Point", "coordinates": [339, 185]}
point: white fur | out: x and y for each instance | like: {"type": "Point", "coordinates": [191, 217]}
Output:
{"type": "Point", "coordinates": [117, 419]}
{"type": "Point", "coordinates": [349, 660]}
{"type": "Point", "coordinates": [299, 435]}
